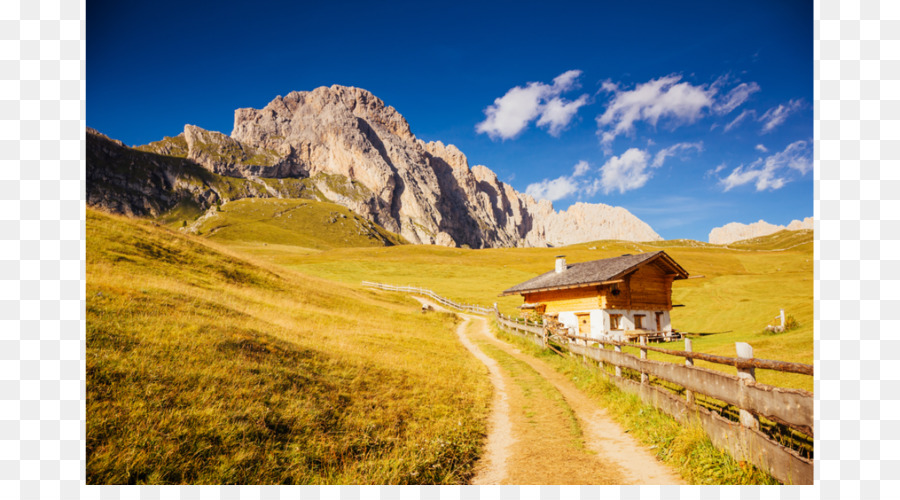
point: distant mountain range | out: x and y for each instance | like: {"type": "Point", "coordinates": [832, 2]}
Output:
{"type": "Point", "coordinates": [341, 144]}
{"type": "Point", "coordinates": [735, 231]}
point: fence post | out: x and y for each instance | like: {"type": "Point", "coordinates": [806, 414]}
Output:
{"type": "Point", "coordinates": [745, 350]}
{"type": "Point", "coordinates": [644, 377]}
{"type": "Point", "coordinates": [688, 395]}
{"type": "Point", "coordinates": [618, 348]}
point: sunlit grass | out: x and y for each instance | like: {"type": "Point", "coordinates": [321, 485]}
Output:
{"type": "Point", "coordinates": [296, 222]}
{"type": "Point", "coordinates": [252, 353]}
{"type": "Point", "coordinates": [739, 293]}
{"type": "Point", "coordinates": [206, 367]}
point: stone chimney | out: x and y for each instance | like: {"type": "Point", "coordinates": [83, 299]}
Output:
{"type": "Point", "coordinates": [560, 263]}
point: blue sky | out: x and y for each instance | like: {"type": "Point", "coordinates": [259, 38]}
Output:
{"type": "Point", "coordinates": [690, 116]}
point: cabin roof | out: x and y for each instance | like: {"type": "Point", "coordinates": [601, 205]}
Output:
{"type": "Point", "coordinates": [595, 272]}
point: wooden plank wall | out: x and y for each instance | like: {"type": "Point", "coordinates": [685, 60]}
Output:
{"type": "Point", "coordinates": [573, 299]}
{"type": "Point", "coordinates": [651, 288]}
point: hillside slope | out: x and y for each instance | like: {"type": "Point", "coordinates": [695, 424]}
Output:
{"type": "Point", "coordinates": [736, 231]}
{"type": "Point", "coordinates": [208, 367]}
{"type": "Point", "coordinates": [344, 145]}
{"type": "Point", "coordinates": [737, 293]}
{"type": "Point", "coordinates": [302, 223]}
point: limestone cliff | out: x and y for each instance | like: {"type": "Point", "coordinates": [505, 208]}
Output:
{"type": "Point", "coordinates": [735, 231]}
{"type": "Point", "coordinates": [344, 144]}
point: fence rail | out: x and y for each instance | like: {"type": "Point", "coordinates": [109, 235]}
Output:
{"type": "Point", "coordinates": [474, 308]}
{"type": "Point", "coordinates": [764, 364]}
{"type": "Point", "coordinates": [792, 408]}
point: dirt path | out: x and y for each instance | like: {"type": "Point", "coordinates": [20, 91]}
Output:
{"type": "Point", "coordinates": [491, 469]}
{"type": "Point", "coordinates": [543, 430]}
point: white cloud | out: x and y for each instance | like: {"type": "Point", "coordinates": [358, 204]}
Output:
{"type": "Point", "coordinates": [563, 186]}
{"type": "Point", "coordinates": [777, 115]}
{"type": "Point", "coordinates": [661, 156]}
{"type": "Point", "coordinates": [558, 112]}
{"type": "Point", "coordinates": [581, 168]}
{"type": "Point", "coordinates": [761, 148]}
{"type": "Point", "coordinates": [734, 123]}
{"type": "Point", "coordinates": [609, 86]}
{"type": "Point", "coordinates": [567, 80]}
{"type": "Point", "coordinates": [711, 172]}
{"type": "Point", "coordinates": [555, 189]}
{"type": "Point", "coordinates": [735, 97]}
{"type": "Point", "coordinates": [773, 171]}
{"type": "Point", "coordinates": [625, 172]}
{"type": "Point", "coordinates": [666, 97]}
{"type": "Point", "coordinates": [511, 114]}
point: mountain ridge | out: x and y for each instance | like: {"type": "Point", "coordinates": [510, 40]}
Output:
{"type": "Point", "coordinates": [736, 231]}
{"type": "Point", "coordinates": [343, 144]}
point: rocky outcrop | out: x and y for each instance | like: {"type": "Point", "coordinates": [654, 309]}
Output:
{"type": "Point", "coordinates": [595, 221]}
{"type": "Point", "coordinates": [735, 231]}
{"type": "Point", "coordinates": [797, 225]}
{"type": "Point", "coordinates": [354, 150]}
{"type": "Point", "coordinates": [153, 179]}
{"type": "Point", "coordinates": [137, 182]}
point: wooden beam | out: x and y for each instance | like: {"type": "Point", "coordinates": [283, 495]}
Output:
{"type": "Point", "coordinates": [563, 287]}
{"type": "Point", "coordinates": [742, 443]}
{"type": "Point", "coordinates": [793, 407]}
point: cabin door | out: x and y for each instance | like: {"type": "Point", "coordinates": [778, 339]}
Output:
{"type": "Point", "coordinates": [584, 324]}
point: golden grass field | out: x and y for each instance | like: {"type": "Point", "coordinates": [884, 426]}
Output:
{"type": "Point", "coordinates": [204, 366]}
{"type": "Point", "coordinates": [740, 293]}
{"type": "Point", "coordinates": [252, 354]}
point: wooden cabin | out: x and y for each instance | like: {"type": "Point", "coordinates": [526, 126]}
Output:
{"type": "Point", "coordinates": [616, 299]}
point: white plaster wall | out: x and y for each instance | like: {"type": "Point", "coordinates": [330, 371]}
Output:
{"type": "Point", "coordinates": [600, 323]}
{"type": "Point", "coordinates": [598, 327]}
{"type": "Point", "coordinates": [570, 320]}
{"type": "Point", "coordinates": [627, 321]}
{"type": "Point", "coordinates": [666, 321]}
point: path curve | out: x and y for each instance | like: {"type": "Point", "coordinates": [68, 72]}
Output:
{"type": "Point", "coordinates": [603, 436]}
{"type": "Point", "coordinates": [491, 468]}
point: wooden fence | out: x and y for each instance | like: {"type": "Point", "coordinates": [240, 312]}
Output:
{"type": "Point", "coordinates": [743, 439]}
{"type": "Point", "coordinates": [428, 293]}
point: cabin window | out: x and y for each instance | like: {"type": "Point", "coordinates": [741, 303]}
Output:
{"type": "Point", "coordinates": [638, 321]}
{"type": "Point", "coordinates": [615, 321]}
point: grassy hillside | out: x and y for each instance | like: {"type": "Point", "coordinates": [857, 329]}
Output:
{"type": "Point", "coordinates": [208, 366]}
{"type": "Point", "coordinates": [783, 239]}
{"type": "Point", "coordinates": [294, 222]}
{"type": "Point", "coordinates": [740, 292]}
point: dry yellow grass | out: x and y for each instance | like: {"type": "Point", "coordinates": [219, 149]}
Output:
{"type": "Point", "coordinates": [206, 367]}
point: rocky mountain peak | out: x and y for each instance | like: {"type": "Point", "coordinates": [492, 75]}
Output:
{"type": "Point", "coordinates": [360, 153]}
{"type": "Point", "coordinates": [332, 102]}
{"type": "Point", "coordinates": [449, 153]}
